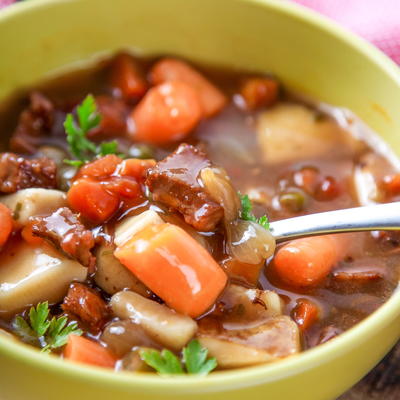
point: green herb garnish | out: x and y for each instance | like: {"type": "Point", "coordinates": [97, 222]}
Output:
{"type": "Point", "coordinates": [247, 212]}
{"type": "Point", "coordinates": [194, 360]}
{"type": "Point", "coordinates": [79, 145]}
{"type": "Point", "coordinates": [48, 334]}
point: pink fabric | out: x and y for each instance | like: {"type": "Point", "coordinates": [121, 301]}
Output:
{"type": "Point", "coordinates": [376, 20]}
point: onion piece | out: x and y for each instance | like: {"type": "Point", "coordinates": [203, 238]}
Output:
{"type": "Point", "coordinates": [219, 186]}
{"type": "Point", "coordinates": [249, 242]}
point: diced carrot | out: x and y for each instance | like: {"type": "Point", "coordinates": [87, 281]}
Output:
{"type": "Point", "coordinates": [391, 184]}
{"type": "Point", "coordinates": [92, 200]}
{"type": "Point", "coordinates": [6, 224]}
{"type": "Point", "coordinates": [135, 168]}
{"type": "Point", "coordinates": [259, 92]}
{"type": "Point", "coordinates": [169, 69]}
{"type": "Point", "coordinates": [168, 112]}
{"type": "Point", "coordinates": [29, 237]}
{"type": "Point", "coordinates": [123, 186]}
{"type": "Point", "coordinates": [328, 189]}
{"type": "Point", "coordinates": [80, 349]}
{"type": "Point", "coordinates": [103, 167]}
{"type": "Point", "coordinates": [126, 76]}
{"type": "Point", "coordinates": [308, 179]}
{"type": "Point", "coordinates": [305, 313]}
{"type": "Point", "coordinates": [175, 267]}
{"type": "Point", "coordinates": [308, 261]}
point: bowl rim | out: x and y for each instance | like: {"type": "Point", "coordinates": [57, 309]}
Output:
{"type": "Point", "coordinates": [243, 377]}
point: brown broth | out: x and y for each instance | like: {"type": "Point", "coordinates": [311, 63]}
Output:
{"type": "Point", "coordinates": [230, 140]}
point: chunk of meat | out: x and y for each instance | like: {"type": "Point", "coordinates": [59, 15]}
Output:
{"type": "Point", "coordinates": [113, 118]}
{"type": "Point", "coordinates": [87, 304]}
{"type": "Point", "coordinates": [175, 182]}
{"type": "Point", "coordinates": [63, 229]}
{"type": "Point", "coordinates": [17, 173]}
{"type": "Point", "coordinates": [34, 122]}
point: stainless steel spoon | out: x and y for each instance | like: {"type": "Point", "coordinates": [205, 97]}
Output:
{"type": "Point", "coordinates": [380, 217]}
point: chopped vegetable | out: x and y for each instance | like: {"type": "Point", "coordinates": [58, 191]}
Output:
{"type": "Point", "coordinates": [126, 77]}
{"type": "Point", "coordinates": [165, 326]}
{"type": "Point", "coordinates": [175, 267]}
{"type": "Point", "coordinates": [80, 349]}
{"type": "Point", "coordinates": [194, 358]}
{"type": "Point", "coordinates": [308, 261]}
{"type": "Point", "coordinates": [305, 313]}
{"type": "Point", "coordinates": [167, 113]}
{"type": "Point", "coordinates": [26, 267]}
{"type": "Point", "coordinates": [6, 224]}
{"type": "Point", "coordinates": [92, 200]}
{"type": "Point", "coordinates": [168, 69]}
{"type": "Point", "coordinates": [247, 214]}
{"type": "Point", "coordinates": [49, 333]}
{"type": "Point", "coordinates": [259, 92]}
{"type": "Point", "coordinates": [293, 201]}
{"type": "Point", "coordinates": [88, 119]}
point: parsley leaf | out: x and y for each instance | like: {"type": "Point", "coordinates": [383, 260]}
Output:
{"type": "Point", "coordinates": [164, 362]}
{"type": "Point", "coordinates": [50, 334]}
{"type": "Point", "coordinates": [194, 358]}
{"type": "Point", "coordinates": [247, 214]}
{"type": "Point", "coordinates": [38, 318]}
{"type": "Point", "coordinates": [80, 146]}
{"type": "Point", "coordinates": [57, 335]}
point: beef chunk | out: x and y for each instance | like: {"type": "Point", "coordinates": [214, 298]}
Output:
{"type": "Point", "coordinates": [87, 304]}
{"type": "Point", "coordinates": [19, 173]}
{"type": "Point", "coordinates": [65, 231]}
{"type": "Point", "coordinates": [174, 181]}
{"type": "Point", "coordinates": [34, 122]}
{"type": "Point", "coordinates": [113, 113]}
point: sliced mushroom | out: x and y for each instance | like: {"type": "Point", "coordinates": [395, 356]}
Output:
{"type": "Point", "coordinates": [123, 336]}
{"type": "Point", "coordinates": [31, 202]}
{"type": "Point", "coordinates": [32, 274]}
{"type": "Point", "coordinates": [162, 324]}
{"type": "Point", "coordinates": [112, 276]}
{"type": "Point", "coordinates": [277, 337]}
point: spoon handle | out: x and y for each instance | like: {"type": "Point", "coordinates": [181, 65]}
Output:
{"type": "Point", "coordinates": [369, 218]}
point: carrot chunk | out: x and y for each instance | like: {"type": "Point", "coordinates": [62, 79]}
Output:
{"type": "Point", "coordinates": [6, 224]}
{"type": "Point", "coordinates": [168, 112]}
{"type": "Point", "coordinates": [175, 267]}
{"type": "Point", "coordinates": [92, 200]}
{"type": "Point", "coordinates": [80, 349]}
{"type": "Point", "coordinates": [169, 69]}
{"type": "Point", "coordinates": [306, 262]}
{"type": "Point", "coordinates": [135, 168]}
{"type": "Point", "coordinates": [103, 167]}
{"type": "Point", "coordinates": [126, 77]}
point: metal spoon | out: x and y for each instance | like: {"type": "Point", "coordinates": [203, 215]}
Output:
{"type": "Point", "coordinates": [380, 217]}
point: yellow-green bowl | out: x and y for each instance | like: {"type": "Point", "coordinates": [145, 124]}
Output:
{"type": "Point", "coordinates": [311, 55]}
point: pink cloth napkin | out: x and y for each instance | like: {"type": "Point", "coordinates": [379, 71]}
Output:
{"type": "Point", "coordinates": [376, 20]}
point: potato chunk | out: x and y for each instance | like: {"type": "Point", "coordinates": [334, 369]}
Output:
{"type": "Point", "coordinates": [290, 132]}
{"type": "Point", "coordinates": [164, 325]}
{"type": "Point", "coordinates": [112, 276]}
{"type": "Point", "coordinates": [31, 274]}
{"type": "Point", "coordinates": [233, 355]}
{"type": "Point", "coordinates": [132, 225]}
{"type": "Point", "coordinates": [31, 202]}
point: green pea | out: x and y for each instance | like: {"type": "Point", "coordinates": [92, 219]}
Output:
{"type": "Point", "coordinates": [293, 201]}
